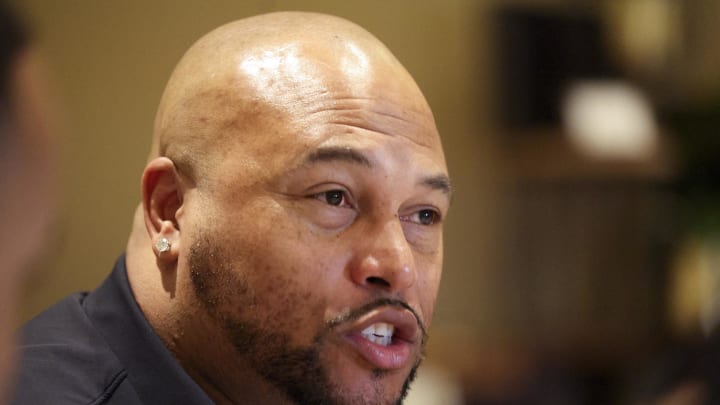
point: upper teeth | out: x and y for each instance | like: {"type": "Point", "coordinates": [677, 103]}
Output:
{"type": "Point", "coordinates": [380, 333]}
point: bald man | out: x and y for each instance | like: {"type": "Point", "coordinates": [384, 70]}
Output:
{"type": "Point", "coordinates": [288, 248]}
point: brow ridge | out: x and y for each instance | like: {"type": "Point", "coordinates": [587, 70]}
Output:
{"type": "Point", "coordinates": [438, 182]}
{"type": "Point", "coordinates": [345, 154]}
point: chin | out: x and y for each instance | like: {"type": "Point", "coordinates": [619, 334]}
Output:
{"type": "Point", "coordinates": [356, 381]}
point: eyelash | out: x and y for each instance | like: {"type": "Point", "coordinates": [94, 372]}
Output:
{"type": "Point", "coordinates": [433, 217]}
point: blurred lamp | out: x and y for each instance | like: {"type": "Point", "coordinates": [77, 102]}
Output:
{"type": "Point", "coordinates": [609, 120]}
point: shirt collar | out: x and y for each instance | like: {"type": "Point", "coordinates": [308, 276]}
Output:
{"type": "Point", "coordinates": [154, 373]}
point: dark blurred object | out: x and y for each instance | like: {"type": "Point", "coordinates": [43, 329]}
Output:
{"type": "Point", "coordinates": [696, 129]}
{"type": "Point", "coordinates": [539, 54]}
{"type": "Point", "coordinates": [688, 374]}
{"type": "Point", "coordinates": [13, 38]}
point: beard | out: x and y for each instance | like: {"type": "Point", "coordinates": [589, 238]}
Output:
{"type": "Point", "coordinates": [298, 372]}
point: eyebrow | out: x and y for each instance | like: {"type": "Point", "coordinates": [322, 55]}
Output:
{"type": "Point", "coordinates": [344, 154]}
{"type": "Point", "coordinates": [438, 182]}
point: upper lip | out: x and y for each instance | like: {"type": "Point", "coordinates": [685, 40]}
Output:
{"type": "Point", "coordinates": [405, 323]}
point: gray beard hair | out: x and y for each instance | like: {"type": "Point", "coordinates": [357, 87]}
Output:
{"type": "Point", "coordinates": [296, 371]}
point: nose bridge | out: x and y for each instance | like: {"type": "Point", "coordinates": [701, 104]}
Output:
{"type": "Point", "coordinates": [387, 260]}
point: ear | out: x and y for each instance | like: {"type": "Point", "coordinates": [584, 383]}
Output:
{"type": "Point", "coordinates": [162, 199]}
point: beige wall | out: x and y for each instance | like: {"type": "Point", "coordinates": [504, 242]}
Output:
{"type": "Point", "coordinates": [110, 61]}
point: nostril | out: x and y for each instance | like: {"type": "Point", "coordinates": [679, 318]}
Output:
{"type": "Point", "coordinates": [378, 281]}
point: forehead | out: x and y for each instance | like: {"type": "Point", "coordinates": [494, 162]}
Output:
{"type": "Point", "coordinates": [286, 101]}
{"type": "Point", "coordinates": [384, 132]}
{"type": "Point", "coordinates": [345, 91]}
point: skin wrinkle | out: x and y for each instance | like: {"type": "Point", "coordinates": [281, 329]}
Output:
{"type": "Point", "coordinates": [261, 265]}
{"type": "Point", "coordinates": [359, 125]}
{"type": "Point", "coordinates": [404, 115]}
{"type": "Point", "coordinates": [372, 121]}
{"type": "Point", "coordinates": [337, 99]}
{"type": "Point", "coordinates": [362, 112]}
{"type": "Point", "coordinates": [363, 124]}
{"type": "Point", "coordinates": [362, 115]}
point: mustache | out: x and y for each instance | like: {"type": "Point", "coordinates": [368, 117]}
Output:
{"type": "Point", "coordinates": [371, 306]}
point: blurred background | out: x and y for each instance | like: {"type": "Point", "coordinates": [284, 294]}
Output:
{"type": "Point", "coordinates": [582, 251]}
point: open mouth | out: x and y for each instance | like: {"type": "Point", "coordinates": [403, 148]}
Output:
{"type": "Point", "coordinates": [379, 333]}
{"type": "Point", "coordinates": [386, 338]}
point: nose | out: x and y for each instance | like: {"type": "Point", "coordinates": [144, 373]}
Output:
{"type": "Point", "coordinates": [384, 260]}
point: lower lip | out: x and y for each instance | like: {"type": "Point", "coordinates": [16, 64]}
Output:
{"type": "Point", "coordinates": [391, 357]}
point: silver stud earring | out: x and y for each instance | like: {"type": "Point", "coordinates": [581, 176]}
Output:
{"type": "Point", "coordinates": [163, 245]}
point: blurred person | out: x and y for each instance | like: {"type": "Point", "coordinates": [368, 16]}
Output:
{"type": "Point", "coordinates": [288, 248]}
{"type": "Point", "coordinates": [25, 173]}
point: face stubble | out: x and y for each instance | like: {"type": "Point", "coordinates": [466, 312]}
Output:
{"type": "Point", "coordinates": [298, 372]}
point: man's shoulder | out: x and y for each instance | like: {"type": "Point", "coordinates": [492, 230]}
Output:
{"type": "Point", "coordinates": [61, 322]}
{"type": "Point", "coordinates": [64, 359]}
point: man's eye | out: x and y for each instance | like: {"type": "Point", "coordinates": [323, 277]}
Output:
{"type": "Point", "coordinates": [428, 217]}
{"type": "Point", "coordinates": [333, 197]}
{"type": "Point", "coordinates": [424, 217]}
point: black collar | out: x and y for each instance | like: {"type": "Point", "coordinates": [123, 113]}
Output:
{"type": "Point", "coordinates": [154, 373]}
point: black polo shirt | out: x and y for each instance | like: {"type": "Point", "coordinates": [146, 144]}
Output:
{"type": "Point", "coordinates": [98, 348]}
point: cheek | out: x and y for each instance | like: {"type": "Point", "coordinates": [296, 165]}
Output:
{"type": "Point", "coordinates": [284, 302]}
{"type": "Point", "coordinates": [428, 285]}
{"type": "Point", "coordinates": [280, 274]}
{"type": "Point", "coordinates": [288, 280]}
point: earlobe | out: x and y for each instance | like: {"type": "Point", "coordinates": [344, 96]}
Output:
{"type": "Point", "coordinates": [163, 245]}
{"type": "Point", "coordinates": [162, 199]}
{"type": "Point", "coordinates": [166, 244]}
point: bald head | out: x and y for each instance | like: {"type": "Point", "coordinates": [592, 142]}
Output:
{"type": "Point", "coordinates": [293, 201]}
{"type": "Point", "coordinates": [239, 80]}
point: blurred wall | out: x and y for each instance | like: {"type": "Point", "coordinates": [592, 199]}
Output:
{"type": "Point", "coordinates": [110, 62]}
